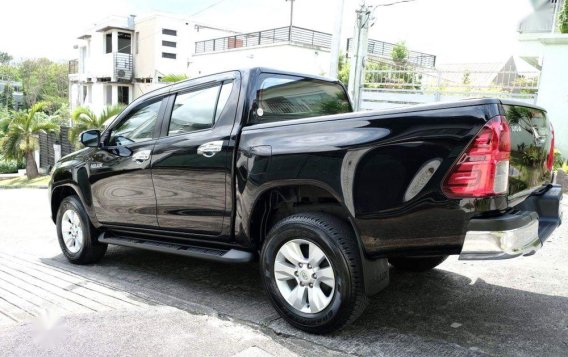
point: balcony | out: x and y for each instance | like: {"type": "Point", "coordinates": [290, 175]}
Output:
{"type": "Point", "coordinates": [114, 67]}
{"type": "Point", "coordinates": [384, 50]}
{"type": "Point", "coordinates": [123, 67]}
{"type": "Point", "coordinates": [288, 34]}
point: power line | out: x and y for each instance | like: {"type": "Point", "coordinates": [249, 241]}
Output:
{"type": "Point", "coordinates": [207, 8]}
{"type": "Point", "coordinates": [393, 3]}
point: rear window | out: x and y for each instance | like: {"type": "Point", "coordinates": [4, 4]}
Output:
{"type": "Point", "coordinates": [282, 97]}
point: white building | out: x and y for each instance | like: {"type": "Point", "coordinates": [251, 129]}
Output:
{"type": "Point", "coordinates": [543, 46]}
{"type": "Point", "coordinates": [122, 57]}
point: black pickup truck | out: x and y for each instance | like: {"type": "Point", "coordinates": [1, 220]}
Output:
{"type": "Point", "coordinates": [275, 166]}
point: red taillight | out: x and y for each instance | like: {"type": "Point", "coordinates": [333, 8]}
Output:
{"type": "Point", "coordinates": [483, 169]}
{"type": "Point", "coordinates": [550, 159]}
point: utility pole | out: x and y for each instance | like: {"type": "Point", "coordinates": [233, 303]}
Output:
{"type": "Point", "coordinates": [291, 18]}
{"type": "Point", "coordinates": [359, 49]}
{"type": "Point", "coordinates": [336, 39]}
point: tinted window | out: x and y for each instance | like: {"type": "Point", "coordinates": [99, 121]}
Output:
{"type": "Point", "coordinates": [199, 109]}
{"type": "Point", "coordinates": [286, 97]}
{"type": "Point", "coordinates": [138, 125]}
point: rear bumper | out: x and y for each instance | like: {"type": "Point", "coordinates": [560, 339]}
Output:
{"type": "Point", "coordinates": [520, 232]}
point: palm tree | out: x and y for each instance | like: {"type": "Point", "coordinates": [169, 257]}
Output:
{"type": "Point", "coordinates": [21, 137]}
{"type": "Point", "coordinates": [85, 119]}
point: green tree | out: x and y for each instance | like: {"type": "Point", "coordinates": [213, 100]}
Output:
{"type": "Point", "coordinates": [21, 138]}
{"type": "Point", "coordinates": [343, 69]}
{"type": "Point", "coordinates": [43, 80]}
{"type": "Point", "coordinates": [7, 96]}
{"type": "Point", "coordinates": [85, 119]}
{"type": "Point", "coordinates": [5, 58]}
{"type": "Point", "coordinates": [172, 78]}
{"type": "Point", "coordinates": [563, 18]}
{"type": "Point", "coordinates": [400, 54]}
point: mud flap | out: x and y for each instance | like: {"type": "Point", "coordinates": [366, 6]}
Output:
{"type": "Point", "coordinates": [376, 274]}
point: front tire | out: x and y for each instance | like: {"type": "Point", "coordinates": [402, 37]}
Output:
{"type": "Point", "coordinates": [312, 271]}
{"type": "Point", "coordinates": [417, 264]}
{"type": "Point", "coordinates": [76, 234]}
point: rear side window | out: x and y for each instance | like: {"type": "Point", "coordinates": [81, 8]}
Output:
{"type": "Point", "coordinates": [281, 97]}
{"type": "Point", "coordinates": [198, 109]}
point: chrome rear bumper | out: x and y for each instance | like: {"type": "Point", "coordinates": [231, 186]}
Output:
{"type": "Point", "coordinates": [481, 245]}
{"type": "Point", "coordinates": [521, 232]}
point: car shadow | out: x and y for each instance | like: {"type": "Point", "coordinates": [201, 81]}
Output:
{"type": "Point", "coordinates": [429, 313]}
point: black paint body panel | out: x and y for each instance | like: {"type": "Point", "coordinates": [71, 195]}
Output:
{"type": "Point", "coordinates": [365, 160]}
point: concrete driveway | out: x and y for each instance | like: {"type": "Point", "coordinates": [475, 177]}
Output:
{"type": "Point", "coordinates": [513, 307]}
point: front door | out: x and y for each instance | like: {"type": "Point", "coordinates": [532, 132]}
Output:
{"type": "Point", "coordinates": [121, 180]}
{"type": "Point", "coordinates": [191, 163]}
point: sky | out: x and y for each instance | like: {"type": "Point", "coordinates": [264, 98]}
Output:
{"type": "Point", "coordinates": [457, 31]}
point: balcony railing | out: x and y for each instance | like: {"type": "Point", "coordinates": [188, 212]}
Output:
{"type": "Point", "coordinates": [73, 66]}
{"type": "Point", "coordinates": [291, 34]}
{"type": "Point", "coordinates": [123, 66]}
{"type": "Point", "coordinates": [385, 49]}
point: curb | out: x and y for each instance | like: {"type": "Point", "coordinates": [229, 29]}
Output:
{"type": "Point", "coordinates": [17, 187]}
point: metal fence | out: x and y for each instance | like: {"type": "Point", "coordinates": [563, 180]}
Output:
{"type": "Point", "coordinates": [47, 156]}
{"type": "Point", "coordinates": [384, 50]}
{"type": "Point", "coordinates": [292, 34]}
{"type": "Point", "coordinates": [390, 88]}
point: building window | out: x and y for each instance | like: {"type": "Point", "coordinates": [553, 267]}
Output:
{"type": "Point", "coordinates": [168, 55]}
{"type": "Point", "coordinates": [137, 35]}
{"type": "Point", "coordinates": [124, 42]}
{"type": "Point", "coordinates": [168, 43]}
{"type": "Point", "coordinates": [108, 43]}
{"type": "Point", "coordinates": [169, 32]}
{"type": "Point", "coordinates": [123, 95]}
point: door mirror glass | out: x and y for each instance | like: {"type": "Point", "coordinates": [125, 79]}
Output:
{"type": "Point", "coordinates": [91, 138]}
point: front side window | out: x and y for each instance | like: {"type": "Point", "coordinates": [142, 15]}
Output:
{"type": "Point", "coordinates": [198, 109]}
{"type": "Point", "coordinates": [282, 97]}
{"type": "Point", "coordinates": [138, 125]}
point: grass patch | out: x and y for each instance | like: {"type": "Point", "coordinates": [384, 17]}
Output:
{"type": "Point", "coordinates": [16, 182]}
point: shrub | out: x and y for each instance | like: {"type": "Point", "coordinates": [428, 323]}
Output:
{"type": "Point", "coordinates": [9, 166]}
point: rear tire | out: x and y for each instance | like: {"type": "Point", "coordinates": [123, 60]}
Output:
{"type": "Point", "coordinates": [77, 236]}
{"type": "Point", "coordinates": [317, 307]}
{"type": "Point", "coordinates": [417, 264]}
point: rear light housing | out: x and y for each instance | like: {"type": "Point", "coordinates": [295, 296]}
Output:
{"type": "Point", "coordinates": [550, 158]}
{"type": "Point", "coordinates": [483, 169]}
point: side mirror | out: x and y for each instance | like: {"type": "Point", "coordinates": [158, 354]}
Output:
{"type": "Point", "coordinates": [91, 138]}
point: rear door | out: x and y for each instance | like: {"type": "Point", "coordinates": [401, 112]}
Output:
{"type": "Point", "coordinates": [531, 138]}
{"type": "Point", "coordinates": [191, 165]}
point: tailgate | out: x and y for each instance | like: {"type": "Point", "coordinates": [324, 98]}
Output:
{"type": "Point", "coordinates": [531, 140]}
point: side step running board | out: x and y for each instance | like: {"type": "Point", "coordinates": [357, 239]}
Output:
{"type": "Point", "coordinates": [220, 255]}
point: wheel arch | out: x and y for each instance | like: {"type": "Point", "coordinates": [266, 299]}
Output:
{"type": "Point", "coordinates": [277, 201]}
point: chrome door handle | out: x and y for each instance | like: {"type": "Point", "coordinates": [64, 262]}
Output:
{"type": "Point", "coordinates": [210, 149]}
{"type": "Point", "coordinates": [141, 156]}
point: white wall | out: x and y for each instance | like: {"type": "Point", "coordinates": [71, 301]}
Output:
{"type": "Point", "coordinates": [279, 56]}
{"type": "Point", "coordinates": [553, 87]}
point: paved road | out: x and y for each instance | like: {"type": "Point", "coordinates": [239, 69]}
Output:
{"type": "Point", "coordinates": [515, 307]}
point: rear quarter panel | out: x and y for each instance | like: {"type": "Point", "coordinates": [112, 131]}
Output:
{"type": "Point", "coordinates": [368, 161]}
